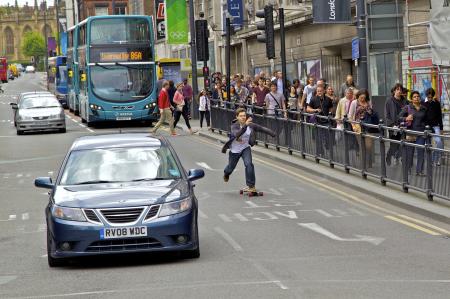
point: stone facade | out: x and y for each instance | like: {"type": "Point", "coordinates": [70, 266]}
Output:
{"type": "Point", "coordinates": [16, 21]}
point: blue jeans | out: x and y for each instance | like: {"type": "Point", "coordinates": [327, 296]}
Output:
{"type": "Point", "coordinates": [246, 155]}
{"type": "Point", "coordinates": [439, 144]}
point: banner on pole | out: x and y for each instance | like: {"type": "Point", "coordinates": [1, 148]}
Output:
{"type": "Point", "coordinates": [177, 22]}
{"type": "Point", "coordinates": [236, 11]}
{"type": "Point", "coordinates": [331, 11]}
{"type": "Point", "coordinates": [439, 32]}
{"type": "Point", "coordinates": [160, 19]}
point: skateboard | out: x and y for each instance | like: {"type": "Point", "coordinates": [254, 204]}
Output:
{"type": "Point", "coordinates": [251, 194]}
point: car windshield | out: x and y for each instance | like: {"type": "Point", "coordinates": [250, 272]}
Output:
{"type": "Point", "coordinates": [122, 83]}
{"type": "Point", "coordinates": [119, 165]}
{"type": "Point", "coordinates": [38, 102]}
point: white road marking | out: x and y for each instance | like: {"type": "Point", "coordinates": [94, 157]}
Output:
{"type": "Point", "coordinates": [206, 166]}
{"type": "Point", "coordinates": [275, 192]}
{"type": "Point", "coordinates": [266, 273]}
{"type": "Point", "coordinates": [25, 216]}
{"type": "Point", "coordinates": [359, 238]}
{"type": "Point", "coordinates": [50, 173]}
{"type": "Point", "coordinates": [229, 239]}
{"type": "Point", "coordinates": [12, 217]}
{"type": "Point", "coordinates": [191, 285]}
{"type": "Point", "coordinates": [43, 256]}
{"type": "Point", "coordinates": [202, 215]}
{"type": "Point", "coordinates": [326, 214]}
{"type": "Point", "coordinates": [358, 212]}
{"type": "Point", "coordinates": [4, 279]}
{"type": "Point", "coordinates": [340, 212]}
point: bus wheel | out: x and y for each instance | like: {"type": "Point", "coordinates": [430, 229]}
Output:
{"type": "Point", "coordinates": [83, 120]}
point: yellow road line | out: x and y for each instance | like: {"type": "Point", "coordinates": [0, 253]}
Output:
{"type": "Point", "coordinates": [410, 224]}
{"type": "Point", "coordinates": [353, 198]}
{"type": "Point", "coordinates": [444, 231]}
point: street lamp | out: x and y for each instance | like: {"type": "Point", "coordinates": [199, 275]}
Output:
{"type": "Point", "coordinates": [44, 5]}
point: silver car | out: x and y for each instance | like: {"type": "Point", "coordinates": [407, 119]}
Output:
{"type": "Point", "coordinates": [39, 113]}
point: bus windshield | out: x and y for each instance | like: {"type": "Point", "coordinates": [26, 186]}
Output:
{"type": "Point", "coordinates": [61, 75]}
{"type": "Point", "coordinates": [119, 31]}
{"type": "Point", "coordinates": [121, 83]}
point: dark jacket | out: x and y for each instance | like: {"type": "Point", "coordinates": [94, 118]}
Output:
{"type": "Point", "coordinates": [392, 109]}
{"type": "Point", "coordinates": [434, 114]}
{"type": "Point", "coordinates": [419, 117]}
{"type": "Point", "coordinates": [237, 131]}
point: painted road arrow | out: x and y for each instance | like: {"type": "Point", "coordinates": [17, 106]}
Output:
{"type": "Point", "coordinates": [358, 238]}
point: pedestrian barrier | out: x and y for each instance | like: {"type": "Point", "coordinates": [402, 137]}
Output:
{"type": "Point", "coordinates": [391, 155]}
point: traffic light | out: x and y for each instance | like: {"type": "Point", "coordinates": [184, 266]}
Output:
{"type": "Point", "coordinates": [268, 36]}
{"type": "Point", "coordinates": [201, 40]}
{"type": "Point", "coordinates": [206, 77]}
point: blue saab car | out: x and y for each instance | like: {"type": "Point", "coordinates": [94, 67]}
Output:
{"type": "Point", "coordinates": [121, 193]}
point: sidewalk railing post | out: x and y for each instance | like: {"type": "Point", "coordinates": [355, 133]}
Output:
{"type": "Point", "coordinates": [330, 140]}
{"type": "Point", "coordinates": [302, 135]}
{"type": "Point", "coordinates": [429, 161]}
{"type": "Point", "coordinates": [382, 153]}
{"type": "Point", "coordinates": [346, 145]}
{"type": "Point", "coordinates": [362, 137]}
{"type": "Point", "coordinates": [317, 139]}
{"type": "Point", "coordinates": [404, 152]}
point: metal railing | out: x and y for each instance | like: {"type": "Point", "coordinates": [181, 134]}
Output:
{"type": "Point", "coordinates": [388, 154]}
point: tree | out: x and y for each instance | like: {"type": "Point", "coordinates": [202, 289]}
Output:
{"type": "Point", "coordinates": [34, 45]}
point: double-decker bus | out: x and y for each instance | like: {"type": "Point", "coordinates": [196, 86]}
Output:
{"type": "Point", "coordinates": [3, 70]}
{"type": "Point", "coordinates": [57, 78]}
{"type": "Point", "coordinates": [117, 69]}
{"type": "Point", "coordinates": [73, 76]}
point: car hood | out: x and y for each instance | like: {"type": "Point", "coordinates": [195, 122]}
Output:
{"type": "Point", "coordinates": [38, 112]}
{"type": "Point", "coordinates": [117, 195]}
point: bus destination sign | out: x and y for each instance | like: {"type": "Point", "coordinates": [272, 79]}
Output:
{"type": "Point", "coordinates": [121, 56]}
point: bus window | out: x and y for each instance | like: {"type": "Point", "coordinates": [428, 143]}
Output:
{"type": "Point", "coordinates": [107, 31]}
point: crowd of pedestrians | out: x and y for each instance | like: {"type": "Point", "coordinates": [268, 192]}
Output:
{"type": "Point", "coordinates": [274, 96]}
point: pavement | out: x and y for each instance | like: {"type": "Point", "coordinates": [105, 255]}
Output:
{"type": "Point", "coordinates": [391, 193]}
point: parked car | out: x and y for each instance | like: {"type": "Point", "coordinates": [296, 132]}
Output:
{"type": "Point", "coordinates": [30, 69]}
{"type": "Point", "coordinates": [39, 113]}
{"type": "Point", "coordinates": [121, 193]}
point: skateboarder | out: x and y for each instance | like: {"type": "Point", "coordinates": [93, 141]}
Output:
{"type": "Point", "coordinates": [242, 138]}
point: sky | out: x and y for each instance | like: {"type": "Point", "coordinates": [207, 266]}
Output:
{"type": "Point", "coordinates": [22, 2]}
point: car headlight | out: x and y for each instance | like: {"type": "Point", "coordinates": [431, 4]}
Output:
{"type": "Point", "coordinates": [55, 116]}
{"type": "Point", "coordinates": [175, 207]}
{"type": "Point", "coordinates": [72, 214]}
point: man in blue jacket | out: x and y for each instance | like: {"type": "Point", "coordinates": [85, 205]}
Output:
{"type": "Point", "coordinates": [242, 138]}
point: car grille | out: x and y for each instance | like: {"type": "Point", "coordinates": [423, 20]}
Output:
{"type": "Point", "coordinates": [152, 212]}
{"type": "Point", "coordinates": [122, 215]}
{"type": "Point", "coordinates": [40, 117]}
{"type": "Point", "coordinates": [123, 245]}
{"type": "Point", "coordinates": [90, 214]}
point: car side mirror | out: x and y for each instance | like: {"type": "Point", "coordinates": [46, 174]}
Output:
{"type": "Point", "coordinates": [14, 105]}
{"type": "Point", "coordinates": [195, 174]}
{"type": "Point", "coordinates": [44, 182]}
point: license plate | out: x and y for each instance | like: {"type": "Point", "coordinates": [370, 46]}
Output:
{"type": "Point", "coordinates": [123, 118]}
{"type": "Point", "coordinates": [123, 232]}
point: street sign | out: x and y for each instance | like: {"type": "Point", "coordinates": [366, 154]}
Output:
{"type": "Point", "coordinates": [355, 48]}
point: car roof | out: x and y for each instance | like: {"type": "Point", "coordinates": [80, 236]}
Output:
{"type": "Point", "coordinates": [118, 141]}
{"type": "Point", "coordinates": [34, 92]}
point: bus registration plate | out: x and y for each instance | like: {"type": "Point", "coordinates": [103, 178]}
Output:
{"type": "Point", "coordinates": [123, 118]}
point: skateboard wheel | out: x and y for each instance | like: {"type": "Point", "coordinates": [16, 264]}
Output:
{"type": "Point", "coordinates": [260, 194]}
{"type": "Point", "coordinates": [241, 192]}
{"type": "Point", "coordinates": [250, 195]}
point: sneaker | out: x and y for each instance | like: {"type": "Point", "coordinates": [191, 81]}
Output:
{"type": "Point", "coordinates": [249, 189]}
{"type": "Point", "coordinates": [174, 134]}
{"type": "Point", "coordinates": [226, 177]}
{"type": "Point", "coordinates": [420, 174]}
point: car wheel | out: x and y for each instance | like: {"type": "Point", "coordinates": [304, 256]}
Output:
{"type": "Point", "coordinates": [63, 130]}
{"type": "Point", "coordinates": [19, 132]}
{"type": "Point", "coordinates": [52, 262]}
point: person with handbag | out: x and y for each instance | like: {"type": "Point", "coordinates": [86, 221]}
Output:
{"type": "Point", "coordinates": [181, 108]}
{"type": "Point", "coordinates": [275, 102]}
{"type": "Point", "coordinates": [364, 113]}
{"type": "Point", "coordinates": [414, 118]}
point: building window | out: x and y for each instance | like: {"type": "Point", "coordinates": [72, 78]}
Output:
{"type": "Point", "coordinates": [121, 10]}
{"type": "Point", "coordinates": [101, 10]}
{"type": "Point", "coordinates": [9, 37]}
